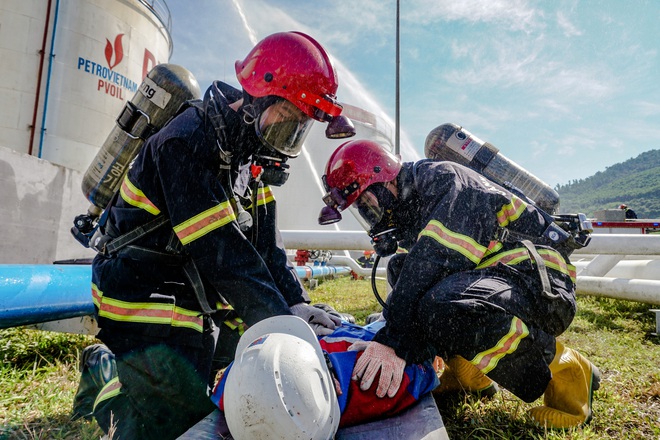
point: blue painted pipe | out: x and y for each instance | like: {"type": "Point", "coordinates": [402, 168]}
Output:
{"type": "Point", "coordinates": [308, 272]}
{"type": "Point", "coordinates": [31, 294]}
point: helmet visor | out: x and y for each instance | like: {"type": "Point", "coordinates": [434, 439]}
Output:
{"type": "Point", "coordinates": [370, 209]}
{"type": "Point", "coordinates": [283, 127]}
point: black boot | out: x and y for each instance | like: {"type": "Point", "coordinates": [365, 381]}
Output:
{"type": "Point", "coordinates": [97, 367]}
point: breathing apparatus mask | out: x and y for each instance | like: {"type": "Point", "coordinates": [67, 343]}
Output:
{"type": "Point", "coordinates": [376, 206]}
{"type": "Point", "coordinates": [282, 128]}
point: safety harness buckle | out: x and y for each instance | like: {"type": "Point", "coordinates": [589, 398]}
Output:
{"type": "Point", "coordinates": [501, 235]}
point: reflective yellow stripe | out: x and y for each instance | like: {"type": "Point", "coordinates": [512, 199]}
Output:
{"type": "Point", "coordinates": [552, 259]}
{"type": "Point", "coordinates": [236, 323]}
{"type": "Point", "coordinates": [222, 306]}
{"type": "Point", "coordinates": [133, 196]}
{"type": "Point", "coordinates": [493, 247]}
{"type": "Point", "coordinates": [462, 244]}
{"type": "Point", "coordinates": [97, 296]}
{"type": "Point", "coordinates": [205, 222]}
{"type": "Point", "coordinates": [487, 360]}
{"type": "Point", "coordinates": [109, 390]}
{"type": "Point", "coordinates": [146, 313]}
{"type": "Point", "coordinates": [511, 211]}
{"type": "Point", "coordinates": [265, 195]}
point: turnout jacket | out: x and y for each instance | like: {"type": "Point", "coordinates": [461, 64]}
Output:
{"type": "Point", "coordinates": [177, 174]}
{"type": "Point", "coordinates": [452, 219]}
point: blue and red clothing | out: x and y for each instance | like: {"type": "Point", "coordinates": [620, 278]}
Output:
{"type": "Point", "coordinates": [359, 406]}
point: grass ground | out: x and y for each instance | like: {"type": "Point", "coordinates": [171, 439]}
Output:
{"type": "Point", "coordinates": [39, 377]}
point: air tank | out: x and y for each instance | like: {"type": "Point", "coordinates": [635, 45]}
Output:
{"type": "Point", "coordinates": [454, 143]}
{"type": "Point", "coordinates": [161, 93]}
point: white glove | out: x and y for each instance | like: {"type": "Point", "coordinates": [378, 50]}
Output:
{"type": "Point", "coordinates": [378, 357]}
{"type": "Point", "coordinates": [321, 322]}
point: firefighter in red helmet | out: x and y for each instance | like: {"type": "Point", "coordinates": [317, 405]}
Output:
{"type": "Point", "coordinates": [190, 253]}
{"type": "Point", "coordinates": [486, 283]}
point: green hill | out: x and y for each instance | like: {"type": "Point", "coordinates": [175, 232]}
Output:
{"type": "Point", "coordinates": [635, 182]}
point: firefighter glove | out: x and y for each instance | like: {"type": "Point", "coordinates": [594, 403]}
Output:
{"type": "Point", "coordinates": [320, 321]}
{"type": "Point", "coordinates": [378, 357]}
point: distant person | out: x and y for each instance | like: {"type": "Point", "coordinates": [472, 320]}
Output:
{"type": "Point", "coordinates": [486, 284]}
{"type": "Point", "coordinates": [172, 300]}
{"type": "Point", "coordinates": [629, 212]}
{"type": "Point", "coordinates": [367, 259]}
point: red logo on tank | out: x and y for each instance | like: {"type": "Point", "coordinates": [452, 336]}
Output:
{"type": "Point", "coordinates": [117, 50]}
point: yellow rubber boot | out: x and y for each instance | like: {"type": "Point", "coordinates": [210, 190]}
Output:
{"type": "Point", "coordinates": [461, 375]}
{"type": "Point", "coordinates": [569, 394]}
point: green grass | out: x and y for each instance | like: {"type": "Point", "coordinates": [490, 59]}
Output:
{"type": "Point", "coordinates": [39, 377]}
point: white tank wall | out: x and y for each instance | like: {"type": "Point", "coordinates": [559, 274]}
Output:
{"type": "Point", "coordinates": [21, 32]}
{"type": "Point", "coordinates": [39, 201]}
{"type": "Point", "coordinates": [40, 198]}
{"type": "Point", "coordinates": [90, 77]}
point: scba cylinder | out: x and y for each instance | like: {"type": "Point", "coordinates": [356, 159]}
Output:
{"type": "Point", "coordinates": [452, 142]}
{"type": "Point", "coordinates": [162, 92]}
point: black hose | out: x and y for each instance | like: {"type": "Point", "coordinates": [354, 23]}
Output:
{"type": "Point", "coordinates": [373, 283]}
{"type": "Point", "coordinates": [254, 197]}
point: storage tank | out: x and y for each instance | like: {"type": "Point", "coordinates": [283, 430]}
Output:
{"type": "Point", "coordinates": [69, 67]}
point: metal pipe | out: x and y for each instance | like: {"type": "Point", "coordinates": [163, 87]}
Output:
{"type": "Point", "coordinates": [622, 244]}
{"type": "Point", "coordinates": [355, 267]}
{"type": "Point", "coordinates": [643, 269]}
{"type": "Point", "coordinates": [37, 96]}
{"type": "Point", "coordinates": [327, 240]}
{"type": "Point", "coordinates": [397, 110]}
{"type": "Point", "coordinates": [646, 291]}
{"type": "Point", "coordinates": [308, 272]}
{"type": "Point", "coordinates": [38, 293]}
{"type": "Point", "coordinates": [48, 77]}
{"type": "Point", "coordinates": [31, 294]}
{"type": "Point", "coordinates": [606, 244]}
{"type": "Point", "coordinates": [599, 265]}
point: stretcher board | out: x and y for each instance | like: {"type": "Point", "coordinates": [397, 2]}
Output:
{"type": "Point", "coordinates": [419, 422]}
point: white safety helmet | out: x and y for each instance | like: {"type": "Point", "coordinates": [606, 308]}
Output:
{"type": "Point", "coordinates": [279, 386]}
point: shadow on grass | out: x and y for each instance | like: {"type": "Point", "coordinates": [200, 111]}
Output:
{"type": "Point", "coordinates": [58, 426]}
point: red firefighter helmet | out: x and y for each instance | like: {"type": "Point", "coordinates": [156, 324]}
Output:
{"type": "Point", "coordinates": [293, 66]}
{"type": "Point", "coordinates": [351, 169]}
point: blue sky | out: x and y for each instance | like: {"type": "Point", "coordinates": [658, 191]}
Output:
{"type": "Point", "coordinates": [564, 88]}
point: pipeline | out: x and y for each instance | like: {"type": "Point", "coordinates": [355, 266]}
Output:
{"type": "Point", "coordinates": [48, 79]}
{"type": "Point", "coordinates": [307, 272]}
{"type": "Point", "coordinates": [31, 294]}
{"type": "Point", "coordinates": [645, 291]}
{"type": "Point", "coordinates": [41, 293]}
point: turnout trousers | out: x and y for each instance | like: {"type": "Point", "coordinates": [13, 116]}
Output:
{"type": "Point", "coordinates": [498, 319]}
{"type": "Point", "coordinates": [161, 391]}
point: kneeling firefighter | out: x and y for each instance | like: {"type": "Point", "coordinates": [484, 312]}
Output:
{"type": "Point", "coordinates": [189, 252]}
{"type": "Point", "coordinates": [486, 283]}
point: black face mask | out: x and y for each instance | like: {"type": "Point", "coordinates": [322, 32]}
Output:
{"type": "Point", "coordinates": [377, 206]}
{"type": "Point", "coordinates": [272, 167]}
{"type": "Point", "coordinates": [385, 242]}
